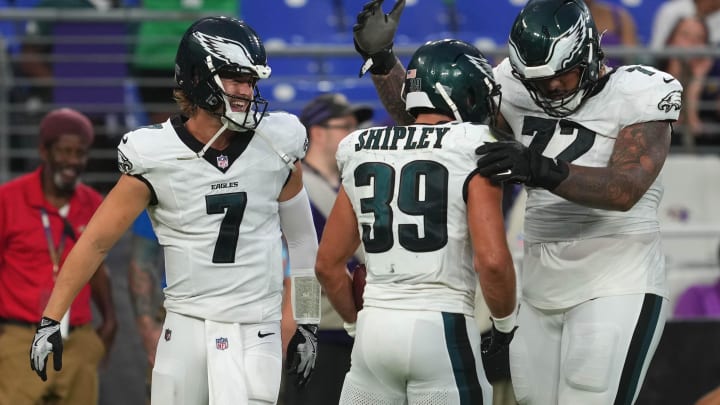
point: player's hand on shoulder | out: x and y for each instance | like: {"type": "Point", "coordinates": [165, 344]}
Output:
{"type": "Point", "coordinates": [47, 340]}
{"type": "Point", "coordinates": [302, 353]}
{"type": "Point", "coordinates": [373, 35]}
{"type": "Point", "coordinates": [495, 351]}
{"type": "Point", "coordinates": [511, 161]}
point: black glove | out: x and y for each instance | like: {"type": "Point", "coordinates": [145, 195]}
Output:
{"type": "Point", "coordinates": [302, 352]}
{"type": "Point", "coordinates": [47, 339]}
{"type": "Point", "coordinates": [496, 354]}
{"type": "Point", "coordinates": [373, 36]}
{"type": "Point", "coordinates": [511, 161]}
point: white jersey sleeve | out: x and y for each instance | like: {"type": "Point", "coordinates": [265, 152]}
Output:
{"type": "Point", "coordinates": [286, 132]}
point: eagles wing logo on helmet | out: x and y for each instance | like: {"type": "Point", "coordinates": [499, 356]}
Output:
{"type": "Point", "coordinates": [573, 39]}
{"type": "Point", "coordinates": [672, 101]}
{"type": "Point", "coordinates": [480, 64]}
{"type": "Point", "coordinates": [224, 49]}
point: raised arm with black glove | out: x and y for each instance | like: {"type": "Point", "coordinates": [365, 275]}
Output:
{"type": "Point", "coordinates": [373, 34]}
{"type": "Point", "coordinates": [47, 339]}
{"type": "Point", "coordinates": [513, 162]}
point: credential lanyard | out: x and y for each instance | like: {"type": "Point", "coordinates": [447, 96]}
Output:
{"type": "Point", "coordinates": [55, 254]}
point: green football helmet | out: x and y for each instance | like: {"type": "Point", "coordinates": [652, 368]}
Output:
{"type": "Point", "coordinates": [215, 45]}
{"type": "Point", "coordinates": [454, 78]}
{"type": "Point", "coordinates": [550, 38]}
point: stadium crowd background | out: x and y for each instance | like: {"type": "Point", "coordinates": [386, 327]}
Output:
{"type": "Point", "coordinates": [89, 50]}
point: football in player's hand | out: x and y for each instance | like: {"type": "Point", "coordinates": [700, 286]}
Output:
{"type": "Point", "coordinates": [358, 283]}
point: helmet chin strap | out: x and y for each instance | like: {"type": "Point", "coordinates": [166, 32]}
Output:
{"type": "Point", "coordinates": [440, 89]}
{"type": "Point", "coordinates": [207, 146]}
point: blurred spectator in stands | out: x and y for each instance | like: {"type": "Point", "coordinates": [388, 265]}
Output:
{"type": "Point", "coordinates": [700, 301]}
{"type": "Point", "coordinates": [153, 59]}
{"type": "Point", "coordinates": [692, 72]}
{"type": "Point", "coordinates": [9, 31]}
{"type": "Point", "coordinates": [328, 118]}
{"type": "Point", "coordinates": [37, 49]}
{"type": "Point", "coordinates": [41, 217]}
{"type": "Point", "coordinates": [668, 14]}
{"type": "Point", "coordinates": [617, 27]}
{"type": "Point", "coordinates": [79, 63]}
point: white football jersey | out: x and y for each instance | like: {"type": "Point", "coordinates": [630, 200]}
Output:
{"type": "Point", "coordinates": [407, 186]}
{"type": "Point", "coordinates": [626, 96]}
{"type": "Point", "coordinates": [217, 216]}
{"type": "Point", "coordinates": [632, 94]}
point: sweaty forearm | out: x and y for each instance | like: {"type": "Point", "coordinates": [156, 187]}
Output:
{"type": "Point", "coordinates": [389, 89]}
{"type": "Point", "coordinates": [76, 272]}
{"type": "Point", "coordinates": [499, 290]}
{"type": "Point", "coordinates": [602, 188]}
{"type": "Point", "coordinates": [338, 288]}
{"type": "Point", "coordinates": [637, 158]}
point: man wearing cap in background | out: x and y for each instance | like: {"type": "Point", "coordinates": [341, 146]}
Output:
{"type": "Point", "coordinates": [328, 118]}
{"type": "Point", "coordinates": [42, 213]}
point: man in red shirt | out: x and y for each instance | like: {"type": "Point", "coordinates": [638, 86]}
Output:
{"type": "Point", "coordinates": [42, 214]}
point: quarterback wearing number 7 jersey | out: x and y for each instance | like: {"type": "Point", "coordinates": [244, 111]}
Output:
{"type": "Point", "coordinates": [219, 181]}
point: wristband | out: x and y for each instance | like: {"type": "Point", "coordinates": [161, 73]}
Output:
{"type": "Point", "coordinates": [382, 63]}
{"type": "Point", "coordinates": [546, 172]}
{"type": "Point", "coordinates": [506, 324]}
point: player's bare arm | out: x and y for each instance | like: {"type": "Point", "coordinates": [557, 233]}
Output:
{"type": "Point", "coordinates": [113, 217]}
{"type": "Point", "coordinates": [287, 322]}
{"type": "Point", "coordinates": [339, 242]}
{"type": "Point", "coordinates": [373, 36]}
{"type": "Point", "coordinates": [492, 259]}
{"type": "Point", "coordinates": [143, 280]}
{"type": "Point", "coordinates": [637, 158]}
{"type": "Point", "coordinates": [293, 185]}
{"type": "Point", "coordinates": [389, 88]}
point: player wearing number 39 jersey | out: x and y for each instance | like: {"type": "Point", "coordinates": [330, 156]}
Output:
{"type": "Point", "coordinates": [219, 182]}
{"type": "Point", "coordinates": [430, 227]}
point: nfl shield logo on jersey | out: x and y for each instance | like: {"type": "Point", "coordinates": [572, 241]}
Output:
{"type": "Point", "coordinates": [222, 161]}
{"type": "Point", "coordinates": [221, 343]}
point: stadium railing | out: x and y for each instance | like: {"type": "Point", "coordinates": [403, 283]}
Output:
{"type": "Point", "coordinates": [301, 71]}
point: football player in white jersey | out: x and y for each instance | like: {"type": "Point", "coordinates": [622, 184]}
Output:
{"type": "Point", "coordinates": [592, 141]}
{"type": "Point", "coordinates": [219, 181]}
{"type": "Point", "coordinates": [430, 226]}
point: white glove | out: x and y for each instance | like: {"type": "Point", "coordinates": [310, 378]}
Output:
{"type": "Point", "coordinates": [47, 339]}
{"type": "Point", "coordinates": [302, 352]}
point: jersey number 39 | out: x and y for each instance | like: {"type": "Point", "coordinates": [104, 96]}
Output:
{"type": "Point", "coordinates": [422, 191]}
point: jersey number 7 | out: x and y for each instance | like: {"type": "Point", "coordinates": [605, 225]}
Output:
{"type": "Point", "coordinates": [230, 227]}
